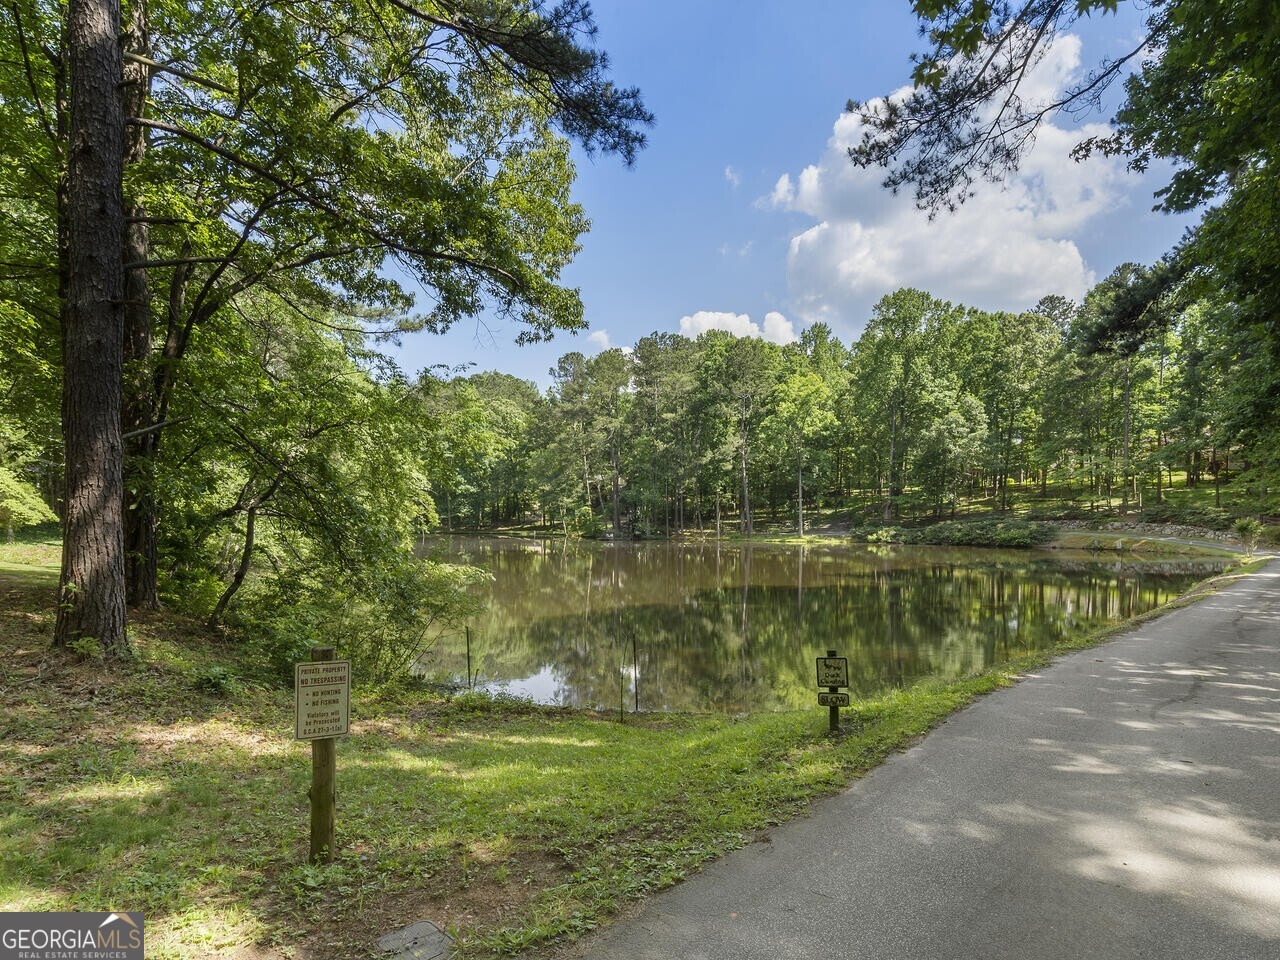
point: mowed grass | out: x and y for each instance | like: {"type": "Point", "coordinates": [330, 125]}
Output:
{"type": "Point", "coordinates": [169, 786]}
{"type": "Point", "coordinates": [32, 558]}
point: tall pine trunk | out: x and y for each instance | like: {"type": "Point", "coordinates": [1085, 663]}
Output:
{"type": "Point", "coordinates": [140, 516]}
{"type": "Point", "coordinates": [92, 583]}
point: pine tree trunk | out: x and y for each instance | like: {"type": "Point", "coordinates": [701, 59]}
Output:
{"type": "Point", "coordinates": [140, 515]}
{"type": "Point", "coordinates": [92, 582]}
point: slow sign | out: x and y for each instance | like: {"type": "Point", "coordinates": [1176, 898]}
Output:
{"type": "Point", "coordinates": [833, 699]}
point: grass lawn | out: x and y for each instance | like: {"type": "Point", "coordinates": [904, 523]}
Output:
{"type": "Point", "coordinates": [168, 785]}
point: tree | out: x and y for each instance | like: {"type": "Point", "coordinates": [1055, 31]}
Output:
{"type": "Point", "coordinates": [301, 150]}
{"type": "Point", "coordinates": [893, 373]}
{"type": "Point", "coordinates": [965, 117]}
{"type": "Point", "coordinates": [741, 372]}
{"type": "Point", "coordinates": [1205, 96]}
{"type": "Point", "coordinates": [609, 382]}
{"type": "Point", "coordinates": [800, 412]}
{"type": "Point", "coordinates": [91, 585]}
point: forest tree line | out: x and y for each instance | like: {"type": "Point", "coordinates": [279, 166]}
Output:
{"type": "Point", "coordinates": [934, 404]}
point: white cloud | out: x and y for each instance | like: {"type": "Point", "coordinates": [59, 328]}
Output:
{"type": "Point", "coordinates": [777, 328]}
{"type": "Point", "coordinates": [1004, 249]}
{"type": "Point", "coordinates": [733, 176]}
{"type": "Point", "coordinates": [784, 193]}
{"type": "Point", "coordinates": [600, 338]}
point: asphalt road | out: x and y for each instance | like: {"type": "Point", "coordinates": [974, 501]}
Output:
{"type": "Point", "coordinates": [1123, 802]}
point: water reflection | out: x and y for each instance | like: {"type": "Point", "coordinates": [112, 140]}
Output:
{"type": "Point", "coordinates": [716, 627]}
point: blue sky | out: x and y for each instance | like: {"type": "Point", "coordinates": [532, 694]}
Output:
{"type": "Point", "coordinates": [744, 214]}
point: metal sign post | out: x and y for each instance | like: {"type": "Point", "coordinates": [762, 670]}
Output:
{"type": "Point", "coordinates": [833, 673]}
{"type": "Point", "coordinates": [322, 712]}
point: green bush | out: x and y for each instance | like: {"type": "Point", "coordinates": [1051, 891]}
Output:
{"type": "Point", "coordinates": [1248, 530]}
{"type": "Point", "coordinates": [588, 524]}
{"type": "Point", "coordinates": [885, 535]}
{"type": "Point", "coordinates": [991, 532]}
{"type": "Point", "coordinates": [985, 533]}
{"type": "Point", "coordinates": [277, 631]}
{"type": "Point", "coordinates": [876, 534]}
{"type": "Point", "coordinates": [217, 680]}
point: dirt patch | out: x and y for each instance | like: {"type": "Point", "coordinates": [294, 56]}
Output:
{"type": "Point", "coordinates": [488, 896]}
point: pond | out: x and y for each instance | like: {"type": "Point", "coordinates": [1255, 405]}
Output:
{"type": "Point", "coordinates": [735, 627]}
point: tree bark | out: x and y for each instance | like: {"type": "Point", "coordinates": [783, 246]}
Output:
{"type": "Point", "coordinates": [140, 515]}
{"type": "Point", "coordinates": [92, 585]}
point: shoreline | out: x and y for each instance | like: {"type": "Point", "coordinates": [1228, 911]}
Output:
{"type": "Point", "coordinates": [1067, 536]}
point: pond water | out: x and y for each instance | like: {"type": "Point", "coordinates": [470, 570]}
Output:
{"type": "Point", "coordinates": [736, 627]}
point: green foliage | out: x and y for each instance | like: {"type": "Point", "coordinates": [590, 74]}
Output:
{"type": "Point", "coordinates": [984, 533]}
{"type": "Point", "coordinates": [279, 167]}
{"type": "Point", "coordinates": [1205, 98]}
{"type": "Point", "coordinates": [586, 523]}
{"type": "Point", "coordinates": [1248, 529]}
{"type": "Point", "coordinates": [217, 680]}
{"type": "Point", "coordinates": [20, 504]}
{"type": "Point", "coordinates": [878, 535]}
{"type": "Point", "coordinates": [86, 648]}
{"type": "Point", "coordinates": [1062, 412]}
{"type": "Point", "coordinates": [989, 532]}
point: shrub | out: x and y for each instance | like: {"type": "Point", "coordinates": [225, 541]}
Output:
{"type": "Point", "coordinates": [588, 524]}
{"type": "Point", "coordinates": [876, 534]}
{"type": "Point", "coordinates": [217, 680]}
{"type": "Point", "coordinates": [985, 533]}
{"type": "Point", "coordinates": [884, 535]}
{"type": "Point", "coordinates": [992, 532]}
{"type": "Point", "coordinates": [1247, 529]}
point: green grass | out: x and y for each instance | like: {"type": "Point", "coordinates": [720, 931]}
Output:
{"type": "Point", "coordinates": [32, 559]}
{"type": "Point", "coordinates": [143, 787]}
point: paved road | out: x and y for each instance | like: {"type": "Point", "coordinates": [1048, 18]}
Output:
{"type": "Point", "coordinates": [1122, 803]}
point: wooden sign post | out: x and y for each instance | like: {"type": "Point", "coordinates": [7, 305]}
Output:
{"type": "Point", "coordinates": [833, 673]}
{"type": "Point", "coordinates": [322, 712]}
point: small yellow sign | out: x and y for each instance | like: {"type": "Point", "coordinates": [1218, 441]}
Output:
{"type": "Point", "coordinates": [322, 699]}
